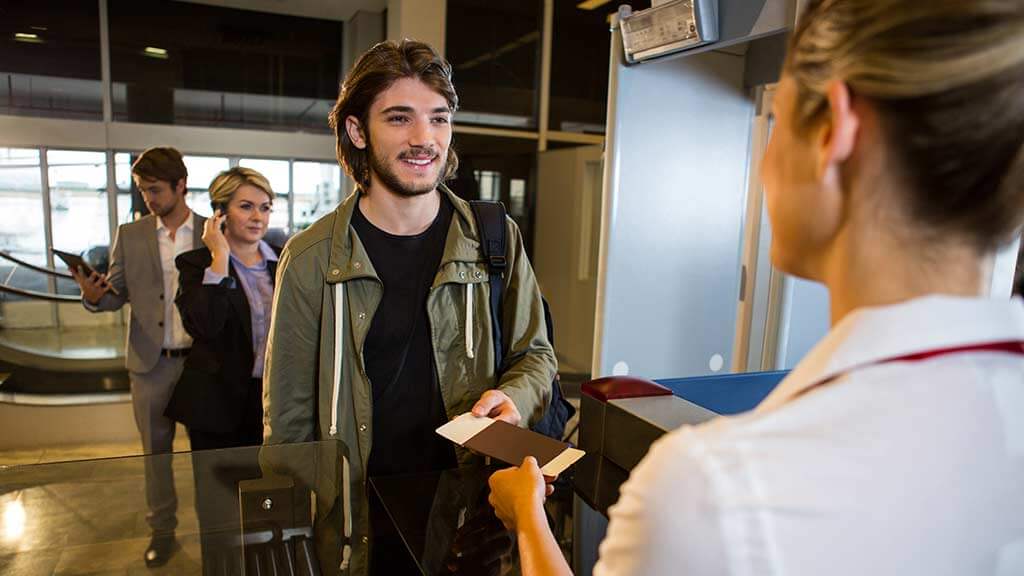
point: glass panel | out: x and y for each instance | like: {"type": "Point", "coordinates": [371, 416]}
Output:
{"type": "Point", "coordinates": [490, 184]}
{"type": "Point", "coordinates": [50, 59]}
{"type": "Point", "coordinates": [247, 510]}
{"type": "Point", "coordinates": [580, 50]}
{"type": "Point", "coordinates": [317, 191]}
{"type": "Point", "coordinates": [447, 526]}
{"type": "Point", "coordinates": [276, 172]}
{"type": "Point", "coordinates": [21, 219]}
{"type": "Point", "coordinates": [201, 172]}
{"type": "Point", "coordinates": [517, 197]}
{"type": "Point", "coordinates": [78, 201]}
{"type": "Point", "coordinates": [215, 66]}
{"type": "Point", "coordinates": [123, 179]}
{"type": "Point", "coordinates": [506, 160]}
{"type": "Point", "coordinates": [495, 66]}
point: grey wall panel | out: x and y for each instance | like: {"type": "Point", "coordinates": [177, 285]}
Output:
{"type": "Point", "coordinates": [676, 181]}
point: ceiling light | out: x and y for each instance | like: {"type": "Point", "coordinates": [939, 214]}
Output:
{"type": "Point", "coordinates": [591, 4]}
{"type": "Point", "coordinates": [153, 52]}
{"type": "Point", "coordinates": [28, 37]}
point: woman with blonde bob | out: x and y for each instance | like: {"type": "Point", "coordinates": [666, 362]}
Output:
{"type": "Point", "coordinates": [894, 174]}
{"type": "Point", "coordinates": [225, 297]}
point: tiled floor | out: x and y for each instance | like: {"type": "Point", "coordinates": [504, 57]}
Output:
{"type": "Point", "coordinates": [83, 452]}
{"type": "Point", "coordinates": [87, 516]}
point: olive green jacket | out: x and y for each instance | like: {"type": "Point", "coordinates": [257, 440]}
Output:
{"type": "Point", "coordinates": [312, 392]}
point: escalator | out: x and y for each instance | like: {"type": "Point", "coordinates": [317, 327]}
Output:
{"type": "Point", "coordinates": [62, 374]}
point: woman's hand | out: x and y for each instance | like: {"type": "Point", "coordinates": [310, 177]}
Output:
{"type": "Point", "coordinates": [213, 237]}
{"type": "Point", "coordinates": [517, 494]}
{"type": "Point", "coordinates": [215, 241]}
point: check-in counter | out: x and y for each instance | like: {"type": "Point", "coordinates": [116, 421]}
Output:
{"type": "Point", "coordinates": [621, 416]}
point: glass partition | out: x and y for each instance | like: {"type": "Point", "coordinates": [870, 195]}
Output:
{"type": "Point", "coordinates": [252, 510]}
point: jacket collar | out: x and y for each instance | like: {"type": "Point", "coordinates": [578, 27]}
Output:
{"type": "Point", "coordinates": [349, 260]}
{"type": "Point", "coordinates": [871, 335]}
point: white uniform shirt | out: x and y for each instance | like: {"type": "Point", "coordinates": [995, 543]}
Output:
{"type": "Point", "coordinates": [889, 468]}
{"type": "Point", "coordinates": [175, 335]}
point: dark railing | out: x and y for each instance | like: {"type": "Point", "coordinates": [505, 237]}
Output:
{"type": "Point", "coordinates": [32, 293]}
{"type": "Point", "coordinates": [30, 266]}
{"type": "Point", "coordinates": [39, 295]}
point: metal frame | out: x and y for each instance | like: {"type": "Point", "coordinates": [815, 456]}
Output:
{"type": "Point", "coordinates": [753, 268]}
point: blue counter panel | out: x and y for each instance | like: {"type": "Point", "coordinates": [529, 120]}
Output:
{"type": "Point", "coordinates": [726, 393]}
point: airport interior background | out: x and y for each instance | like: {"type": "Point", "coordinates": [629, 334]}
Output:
{"type": "Point", "coordinates": [86, 85]}
{"type": "Point", "coordinates": [631, 167]}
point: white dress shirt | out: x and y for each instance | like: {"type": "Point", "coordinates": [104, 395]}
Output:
{"type": "Point", "coordinates": [175, 335]}
{"type": "Point", "coordinates": [887, 468]}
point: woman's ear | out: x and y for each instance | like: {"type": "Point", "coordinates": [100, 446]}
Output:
{"type": "Point", "coordinates": [838, 136]}
{"type": "Point", "coordinates": [354, 129]}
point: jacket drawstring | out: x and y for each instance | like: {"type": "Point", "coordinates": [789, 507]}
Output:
{"type": "Point", "coordinates": [469, 321]}
{"type": "Point", "coordinates": [339, 351]}
{"type": "Point", "coordinates": [339, 354]}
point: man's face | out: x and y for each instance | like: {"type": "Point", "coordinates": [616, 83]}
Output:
{"type": "Point", "coordinates": [407, 137]}
{"type": "Point", "coordinates": [160, 196]}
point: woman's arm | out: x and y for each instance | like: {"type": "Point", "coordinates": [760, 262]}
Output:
{"type": "Point", "coordinates": [204, 307]}
{"type": "Point", "coordinates": [517, 495]}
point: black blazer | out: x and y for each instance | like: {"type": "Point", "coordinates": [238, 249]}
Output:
{"type": "Point", "coordinates": [217, 376]}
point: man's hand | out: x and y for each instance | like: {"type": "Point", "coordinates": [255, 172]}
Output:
{"type": "Point", "coordinates": [497, 405]}
{"type": "Point", "coordinates": [93, 287]}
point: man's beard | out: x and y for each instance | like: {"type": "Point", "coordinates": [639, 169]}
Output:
{"type": "Point", "coordinates": [389, 179]}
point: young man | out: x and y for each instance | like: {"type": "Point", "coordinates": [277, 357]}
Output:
{"type": "Point", "coordinates": [142, 272]}
{"type": "Point", "coordinates": [381, 327]}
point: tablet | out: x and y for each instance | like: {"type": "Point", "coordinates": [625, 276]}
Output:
{"type": "Point", "coordinates": [75, 262]}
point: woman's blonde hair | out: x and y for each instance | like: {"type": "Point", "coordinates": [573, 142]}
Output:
{"type": "Point", "coordinates": [947, 78]}
{"type": "Point", "coordinates": [229, 181]}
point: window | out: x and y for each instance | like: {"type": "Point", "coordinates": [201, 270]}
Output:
{"type": "Point", "coordinates": [78, 200]}
{"type": "Point", "coordinates": [22, 232]}
{"type": "Point", "coordinates": [50, 59]}
{"type": "Point", "coordinates": [317, 188]}
{"type": "Point", "coordinates": [489, 183]}
{"type": "Point", "coordinates": [494, 49]}
{"type": "Point", "coordinates": [277, 173]}
{"type": "Point", "coordinates": [189, 63]}
{"type": "Point", "coordinates": [580, 51]}
{"type": "Point", "coordinates": [488, 167]}
{"type": "Point", "coordinates": [201, 172]}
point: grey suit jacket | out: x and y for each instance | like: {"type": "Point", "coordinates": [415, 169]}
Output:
{"type": "Point", "coordinates": [136, 272]}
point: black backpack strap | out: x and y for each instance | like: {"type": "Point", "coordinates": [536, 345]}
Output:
{"type": "Point", "coordinates": [490, 219]}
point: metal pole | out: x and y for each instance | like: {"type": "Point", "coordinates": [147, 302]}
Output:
{"type": "Point", "coordinates": [545, 75]}
{"type": "Point", "coordinates": [105, 82]}
{"type": "Point", "coordinates": [291, 195]}
{"type": "Point", "coordinates": [44, 179]}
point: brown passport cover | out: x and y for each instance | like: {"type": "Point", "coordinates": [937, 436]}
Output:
{"type": "Point", "coordinates": [511, 444]}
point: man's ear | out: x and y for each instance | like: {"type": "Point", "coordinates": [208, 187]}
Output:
{"type": "Point", "coordinates": [354, 129]}
{"type": "Point", "coordinates": [838, 136]}
{"type": "Point", "coordinates": [180, 186]}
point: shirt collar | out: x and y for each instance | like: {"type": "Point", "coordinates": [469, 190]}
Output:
{"type": "Point", "coordinates": [186, 225]}
{"type": "Point", "coordinates": [266, 252]}
{"type": "Point", "coordinates": [874, 334]}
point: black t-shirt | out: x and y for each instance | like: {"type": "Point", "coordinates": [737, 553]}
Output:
{"type": "Point", "coordinates": [407, 404]}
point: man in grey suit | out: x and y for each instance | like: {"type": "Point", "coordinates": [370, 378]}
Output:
{"type": "Point", "coordinates": [142, 272]}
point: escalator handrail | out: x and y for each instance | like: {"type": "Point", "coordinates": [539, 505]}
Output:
{"type": "Point", "coordinates": [31, 266]}
{"type": "Point", "coordinates": [39, 295]}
